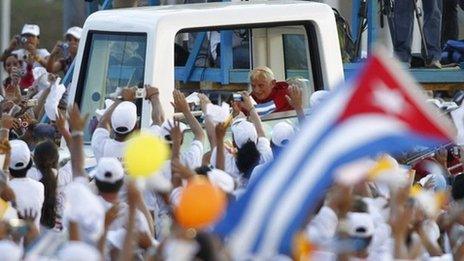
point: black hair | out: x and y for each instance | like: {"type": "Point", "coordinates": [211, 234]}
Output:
{"type": "Point", "coordinates": [106, 187]}
{"type": "Point", "coordinates": [457, 189]}
{"type": "Point", "coordinates": [247, 158]}
{"type": "Point", "coordinates": [203, 170]}
{"type": "Point", "coordinates": [206, 244]}
{"type": "Point", "coordinates": [8, 56]}
{"type": "Point", "coordinates": [20, 173]}
{"type": "Point", "coordinates": [46, 160]}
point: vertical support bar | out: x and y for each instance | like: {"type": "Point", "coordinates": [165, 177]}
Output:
{"type": "Point", "coordinates": [354, 17]}
{"type": "Point", "coordinates": [92, 7]}
{"type": "Point", "coordinates": [153, 2]}
{"type": "Point", "coordinates": [108, 4]}
{"type": "Point", "coordinates": [6, 21]}
{"type": "Point", "coordinates": [190, 64]}
{"type": "Point", "coordinates": [68, 76]}
{"type": "Point", "coordinates": [226, 56]}
{"type": "Point", "coordinates": [372, 27]}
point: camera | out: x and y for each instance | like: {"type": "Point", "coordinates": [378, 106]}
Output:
{"type": "Point", "coordinates": [22, 40]}
{"type": "Point", "coordinates": [237, 97]}
{"type": "Point", "coordinates": [64, 47]}
{"type": "Point", "coordinates": [140, 93]}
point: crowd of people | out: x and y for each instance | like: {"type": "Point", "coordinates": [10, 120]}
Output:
{"type": "Point", "coordinates": [54, 208]}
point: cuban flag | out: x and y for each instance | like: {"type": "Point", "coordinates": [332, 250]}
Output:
{"type": "Point", "coordinates": [381, 110]}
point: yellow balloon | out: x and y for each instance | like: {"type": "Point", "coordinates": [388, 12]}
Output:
{"type": "Point", "coordinates": [145, 154]}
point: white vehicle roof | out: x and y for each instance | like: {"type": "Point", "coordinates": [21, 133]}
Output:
{"type": "Point", "coordinates": [162, 23]}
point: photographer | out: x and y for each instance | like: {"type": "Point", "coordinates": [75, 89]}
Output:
{"type": "Point", "coordinates": [63, 53]}
{"type": "Point", "coordinates": [25, 47]}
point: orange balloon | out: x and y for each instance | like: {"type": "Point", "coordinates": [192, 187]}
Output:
{"type": "Point", "coordinates": [200, 204]}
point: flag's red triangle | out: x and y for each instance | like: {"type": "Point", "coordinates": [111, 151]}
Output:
{"type": "Point", "coordinates": [382, 89]}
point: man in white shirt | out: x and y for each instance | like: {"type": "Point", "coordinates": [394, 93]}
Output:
{"type": "Point", "coordinates": [109, 178]}
{"type": "Point", "coordinates": [121, 119]}
{"type": "Point", "coordinates": [26, 46]}
{"type": "Point", "coordinates": [29, 193]}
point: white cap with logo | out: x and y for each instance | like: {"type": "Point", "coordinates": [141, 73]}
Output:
{"type": "Point", "coordinates": [108, 170]}
{"type": "Point", "coordinates": [282, 134]}
{"type": "Point", "coordinates": [20, 155]}
{"type": "Point", "coordinates": [167, 126]}
{"type": "Point", "coordinates": [75, 31]}
{"type": "Point", "coordinates": [124, 117]}
{"type": "Point", "coordinates": [32, 29]}
{"type": "Point", "coordinates": [360, 224]}
{"type": "Point", "coordinates": [243, 131]}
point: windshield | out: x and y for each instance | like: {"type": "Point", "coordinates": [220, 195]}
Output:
{"type": "Point", "coordinates": [111, 60]}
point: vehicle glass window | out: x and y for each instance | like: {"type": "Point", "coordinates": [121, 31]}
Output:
{"type": "Point", "coordinates": [284, 49]}
{"type": "Point", "coordinates": [296, 63]}
{"type": "Point", "coordinates": [110, 61]}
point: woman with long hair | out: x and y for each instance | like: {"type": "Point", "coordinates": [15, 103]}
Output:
{"type": "Point", "coordinates": [46, 162]}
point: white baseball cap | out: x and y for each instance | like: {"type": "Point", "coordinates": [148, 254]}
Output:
{"type": "Point", "coordinates": [20, 155]}
{"type": "Point", "coordinates": [108, 170]}
{"type": "Point", "coordinates": [167, 126]}
{"type": "Point", "coordinates": [282, 133]}
{"type": "Point", "coordinates": [78, 250]}
{"type": "Point", "coordinates": [9, 251]}
{"type": "Point", "coordinates": [124, 117]}
{"type": "Point", "coordinates": [317, 97]}
{"type": "Point", "coordinates": [75, 31]}
{"type": "Point", "coordinates": [360, 224]}
{"type": "Point", "coordinates": [31, 29]}
{"type": "Point", "coordinates": [222, 180]}
{"type": "Point", "coordinates": [243, 131]}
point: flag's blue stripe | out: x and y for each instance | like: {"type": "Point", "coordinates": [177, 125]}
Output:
{"type": "Point", "coordinates": [311, 150]}
{"type": "Point", "coordinates": [238, 209]}
{"type": "Point", "coordinates": [390, 144]}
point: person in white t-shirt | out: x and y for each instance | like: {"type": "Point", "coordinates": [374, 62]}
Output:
{"type": "Point", "coordinates": [29, 193]}
{"type": "Point", "coordinates": [46, 171]}
{"type": "Point", "coordinates": [26, 46]}
{"type": "Point", "coordinates": [121, 119]}
{"type": "Point", "coordinates": [109, 178]}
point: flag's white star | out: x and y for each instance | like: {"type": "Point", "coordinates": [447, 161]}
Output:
{"type": "Point", "coordinates": [391, 101]}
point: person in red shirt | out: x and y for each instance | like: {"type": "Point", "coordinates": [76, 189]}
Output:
{"type": "Point", "coordinates": [265, 89]}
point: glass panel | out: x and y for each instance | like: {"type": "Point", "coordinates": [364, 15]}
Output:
{"type": "Point", "coordinates": [297, 70]}
{"type": "Point", "coordinates": [113, 60]}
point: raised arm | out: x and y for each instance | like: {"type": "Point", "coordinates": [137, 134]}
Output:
{"type": "Point", "coordinates": [127, 94]}
{"type": "Point", "coordinates": [220, 131]}
{"type": "Point", "coordinates": [53, 65]}
{"type": "Point", "coordinates": [295, 98]}
{"type": "Point", "coordinates": [180, 103]}
{"type": "Point", "coordinates": [253, 115]}
{"type": "Point", "coordinates": [209, 125]}
{"type": "Point", "coordinates": [157, 112]}
{"type": "Point", "coordinates": [77, 124]}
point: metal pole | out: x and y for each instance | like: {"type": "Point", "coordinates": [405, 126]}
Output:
{"type": "Point", "coordinates": [6, 20]}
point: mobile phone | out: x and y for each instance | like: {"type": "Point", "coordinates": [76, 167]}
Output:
{"type": "Point", "coordinates": [237, 97]}
{"type": "Point", "coordinates": [140, 93]}
{"type": "Point", "coordinates": [14, 110]}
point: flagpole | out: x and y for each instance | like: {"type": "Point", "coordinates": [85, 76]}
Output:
{"type": "Point", "coordinates": [5, 29]}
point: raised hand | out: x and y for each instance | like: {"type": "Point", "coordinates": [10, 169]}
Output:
{"type": "Point", "coordinates": [76, 121]}
{"type": "Point", "coordinates": [295, 97]}
{"type": "Point", "coordinates": [204, 100]}
{"type": "Point", "coordinates": [151, 91]}
{"type": "Point", "coordinates": [180, 103]}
